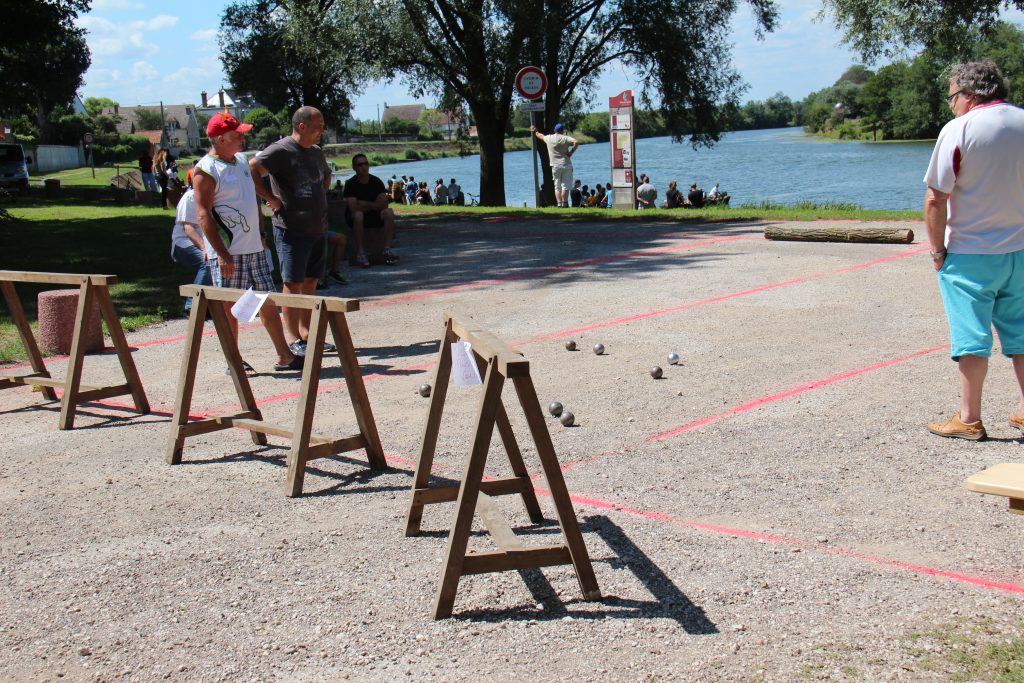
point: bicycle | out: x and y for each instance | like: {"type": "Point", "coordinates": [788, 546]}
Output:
{"type": "Point", "coordinates": [473, 200]}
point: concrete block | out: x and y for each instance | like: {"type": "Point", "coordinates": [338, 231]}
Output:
{"type": "Point", "coordinates": [56, 311]}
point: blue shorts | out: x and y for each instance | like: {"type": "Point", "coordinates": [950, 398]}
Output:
{"type": "Point", "coordinates": [301, 256]}
{"type": "Point", "coordinates": [980, 291]}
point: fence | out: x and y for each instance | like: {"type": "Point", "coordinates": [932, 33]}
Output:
{"type": "Point", "coordinates": [46, 158]}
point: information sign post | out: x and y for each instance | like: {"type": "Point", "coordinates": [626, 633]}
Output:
{"type": "Point", "coordinates": [532, 83]}
{"type": "Point", "coordinates": [623, 150]}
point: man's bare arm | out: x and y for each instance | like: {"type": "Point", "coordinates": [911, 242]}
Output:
{"type": "Point", "coordinates": [935, 221]}
{"type": "Point", "coordinates": [258, 171]}
{"type": "Point", "coordinates": [194, 236]}
{"type": "Point", "coordinates": [205, 188]}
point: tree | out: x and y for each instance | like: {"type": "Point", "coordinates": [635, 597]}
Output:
{"type": "Point", "coordinates": [290, 53]}
{"type": "Point", "coordinates": [891, 27]}
{"type": "Point", "coordinates": [148, 119]}
{"type": "Point", "coordinates": [96, 105]}
{"type": "Point", "coordinates": [475, 48]}
{"type": "Point", "coordinates": [43, 56]}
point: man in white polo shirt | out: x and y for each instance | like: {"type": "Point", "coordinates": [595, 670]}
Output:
{"type": "Point", "coordinates": [974, 213]}
{"type": "Point", "coordinates": [226, 200]}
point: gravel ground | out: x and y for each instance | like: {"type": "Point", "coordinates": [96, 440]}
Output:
{"type": "Point", "coordinates": [772, 509]}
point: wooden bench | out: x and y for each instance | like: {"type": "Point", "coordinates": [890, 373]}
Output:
{"type": "Point", "coordinates": [91, 288]}
{"type": "Point", "coordinates": [305, 446]}
{"type": "Point", "coordinates": [496, 361]}
{"type": "Point", "coordinates": [1006, 479]}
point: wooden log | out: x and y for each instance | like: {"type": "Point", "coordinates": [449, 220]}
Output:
{"type": "Point", "coordinates": [839, 234]}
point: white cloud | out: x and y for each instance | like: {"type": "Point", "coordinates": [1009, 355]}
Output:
{"type": "Point", "coordinates": [111, 39]}
{"type": "Point", "coordinates": [144, 71]}
{"type": "Point", "coordinates": [158, 23]}
{"type": "Point", "coordinates": [101, 5]}
{"type": "Point", "coordinates": [204, 35]}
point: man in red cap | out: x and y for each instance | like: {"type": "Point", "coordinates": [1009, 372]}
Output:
{"type": "Point", "coordinates": [225, 197]}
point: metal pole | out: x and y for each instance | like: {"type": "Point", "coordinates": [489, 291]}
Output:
{"type": "Point", "coordinates": [533, 139]}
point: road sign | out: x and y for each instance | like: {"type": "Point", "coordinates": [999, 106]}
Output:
{"type": "Point", "coordinates": [531, 82]}
{"type": "Point", "coordinates": [532, 106]}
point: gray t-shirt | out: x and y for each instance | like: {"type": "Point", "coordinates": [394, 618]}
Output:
{"type": "Point", "coordinates": [558, 149]}
{"type": "Point", "coordinates": [648, 193]}
{"type": "Point", "coordinates": [297, 176]}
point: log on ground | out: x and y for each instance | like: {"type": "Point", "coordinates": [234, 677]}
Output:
{"type": "Point", "coordinates": [839, 234]}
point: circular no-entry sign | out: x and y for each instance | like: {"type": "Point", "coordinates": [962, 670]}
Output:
{"type": "Point", "coordinates": [531, 82]}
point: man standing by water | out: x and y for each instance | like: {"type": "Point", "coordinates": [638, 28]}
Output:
{"type": "Point", "coordinates": [225, 198]}
{"type": "Point", "coordinates": [646, 194]}
{"type": "Point", "coordinates": [561, 147]}
{"type": "Point", "coordinates": [974, 213]}
{"type": "Point", "coordinates": [299, 180]}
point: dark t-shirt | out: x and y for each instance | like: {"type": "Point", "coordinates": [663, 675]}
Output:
{"type": "Point", "coordinates": [696, 197]}
{"type": "Point", "coordinates": [146, 163]}
{"type": "Point", "coordinates": [369, 192]}
{"type": "Point", "coordinates": [297, 176]}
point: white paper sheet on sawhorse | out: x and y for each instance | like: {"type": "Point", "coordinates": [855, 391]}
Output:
{"type": "Point", "coordinates": [464, 364]}
{"type": "Point", "coordinates": [248, 305]}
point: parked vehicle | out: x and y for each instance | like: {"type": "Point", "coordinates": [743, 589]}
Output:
{"type": "Point", "coordinates": [14, 166]}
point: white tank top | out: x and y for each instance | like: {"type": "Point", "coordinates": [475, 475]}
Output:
{"type": "Point", "coordinates": [235, 205]}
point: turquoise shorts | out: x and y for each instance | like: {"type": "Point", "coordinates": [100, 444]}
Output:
{"type": "Point", "coordinates": [980, 291]}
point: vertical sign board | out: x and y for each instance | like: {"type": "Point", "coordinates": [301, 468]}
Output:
{"type": "Point", "coordinates": [620, 109]}
{"type": "Point", "coordinates": [532, 83]}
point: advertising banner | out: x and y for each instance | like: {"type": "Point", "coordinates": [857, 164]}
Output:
{"type": "Point", "coordinates": [623, 150]}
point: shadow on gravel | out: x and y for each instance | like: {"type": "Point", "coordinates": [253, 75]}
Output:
{"type": "Point", "coordinates": [669, 602]}
{"type": "Point", "coordinates": [106, 420]}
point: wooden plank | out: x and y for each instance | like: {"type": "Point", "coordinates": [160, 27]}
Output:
{"type": "Point", "coordinates": [187, 382]}
{"type": "Point", "coordinates": [302, 301]}
{"type": "Point", "coordinates": [492, 487]}
{"type": "Point", "coordinates": [87, 394]}
{"type": "Point", "coordinates": [511, 363]}
{"type": "Point", "coordinates": [515, 459]}
{"type": "Point", "coordinates": [458, 538]}
{"type": "Point", "coordinates": [255, 425]}
{"type": "Point", "coordinates": [307, 400]}
{"type": "Point", "coordinates": [76, 361]}
{"type": "Point", "coordinates": [1005, 479]}
{"type": "Point", "coordinates": [30, 378]}
{"type": "Point", "coordinates": [77, 279]}
{"type": "Point", "coordinates": [357, 390]}
{"type": "Point", "coordinates": [529, 558]}
{"type": "Point", "coordinates": [28, 340]}
{"type": "Point", "coordinates": [497, 526]}
{"type": "Point", "coordinates": [839, 234]}
{"type": "Point", "coordinates": [428, 441]}
{"type": "Point", "coordinates": [124, 354]}
{"type": "Point", "coordinates": [556, 484]}
{"type": "Point", "coordinates": [329, 447]}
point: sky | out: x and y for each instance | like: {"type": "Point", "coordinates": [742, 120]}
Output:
{"type": "Point", "coordinates": [144, 52]}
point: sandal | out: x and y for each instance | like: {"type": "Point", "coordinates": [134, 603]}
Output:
{"type": "Point", "coordinates": [390, 257]}
{"type": "Point", "coordinates": [362, 261]}
{"type": "Point", "coordinates": [249, 370]}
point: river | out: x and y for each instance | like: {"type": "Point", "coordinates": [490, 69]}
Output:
{"type": "Point", "coordinates": [779, 165]}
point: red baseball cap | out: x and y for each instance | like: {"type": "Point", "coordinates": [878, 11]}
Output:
{"type": "Point", "coordinates": [225, 123]}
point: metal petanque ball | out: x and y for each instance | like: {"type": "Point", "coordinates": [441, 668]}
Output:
{"type": "Point", "coordinates": [673, 358]}
{"type": "Point", "coordinates": [656, 372]}
{"type": "Point", "coordinates": [599, 349]}
{"type": "Point", "coordinates": [567, 419]}
{"type": "Point", "coordinates": [424, 390]}
{"type": "Point", "coordinates": [570, 345]}
{"type": "Point", "coordinates": [555, 408]}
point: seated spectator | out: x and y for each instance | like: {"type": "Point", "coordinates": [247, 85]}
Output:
{"type": "Point", "coordinates": [367, 202]}
{"type": "Point", "coordinates": [695, 197]}
{"type": "Point", "coordinates": [591, 200]}
{"type": "Point", "coordinates": [576, 194]}
{"type": "Point", "coordinates": [714, 194]}
{"type": "Point", "coordinates": [423, 194]}
{"type": "Point", "coordinates": [601, 195]}
{"type": "Point", "coordinates": [411, 188]}
{"type": "Point", "coordinates": [440, 193]}
{"type": "Point", "coordinates": [455, 193]}
{"type": "Point", "coordinates": [337, 242]}
{"type": "Point", "coordinates": [673, 197]}
{"type": "Point", "coordinates": [398, 190]}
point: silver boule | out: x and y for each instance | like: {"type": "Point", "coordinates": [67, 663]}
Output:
{"type": "Point", "coordinates": [673, 358]}
{"type": "Point", "coordinates": [555, 408]}
{"type": "Point", "coordinates": [567, 419]}
{"type": "Point", "coordinates": [599, 349]}
{"type": "Point", "coordinates": [424, 390]}
{"type": "Point", "coordinates": [570, 345]}
{"type": "Point", "coordinates": [656, 372]}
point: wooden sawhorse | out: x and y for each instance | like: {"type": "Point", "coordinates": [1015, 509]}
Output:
{"type": "Point", "coordinates": [497, 361]}
{"type": "Point", "coordinates": [305, 446]}
{"type": "Point", "coordinates": [74, 392]}
{"type": "Point", "coordinates": [1005, 479]}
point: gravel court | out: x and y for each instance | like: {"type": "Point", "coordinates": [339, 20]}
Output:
{"type": "Point", "coordinates": [209, 554]}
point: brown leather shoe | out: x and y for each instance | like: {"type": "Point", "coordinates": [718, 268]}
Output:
{"type": "Point", "coordinates": [1017, 421]}
{"type": "Point", "coordinates": [955, 428]}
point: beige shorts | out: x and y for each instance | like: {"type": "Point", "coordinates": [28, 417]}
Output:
{"type": "Point", "coordinates": [562, 176]}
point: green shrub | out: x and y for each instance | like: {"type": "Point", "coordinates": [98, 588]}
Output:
{"type": "Point", "coordinates": [412, 155]}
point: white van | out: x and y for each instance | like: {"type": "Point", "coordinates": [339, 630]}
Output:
{"type": "Point", "coordinates": [14, 166]}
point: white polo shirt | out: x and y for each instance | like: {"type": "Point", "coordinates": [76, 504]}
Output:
{"type": "Point", "coordinates": [979, 161]}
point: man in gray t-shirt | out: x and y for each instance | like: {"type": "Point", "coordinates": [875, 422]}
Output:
{"type": "Point", "coordinates": [299, 180]}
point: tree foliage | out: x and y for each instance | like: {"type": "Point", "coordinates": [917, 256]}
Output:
{"type": "Point", "coordinates": [473, 48]}
{"type": "Point", "coordinates": [43, 56]}
{"type": "Point", "coordinates": [96, 105]}
{"type": "Point", "coordinates": [892, 27]}
{"type": "Point", "coordinates": [148, 119]}
{"type": "Point", "coordinates": [290, 53]}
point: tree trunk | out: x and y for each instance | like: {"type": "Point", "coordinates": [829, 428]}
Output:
{"type": "Point", "coordinates": [491, 138]}
{"type": "Point", "coordinates": [834, 234]}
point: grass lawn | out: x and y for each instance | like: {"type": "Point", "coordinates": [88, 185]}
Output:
{"type": "Point", "coordinates": [130, 242]}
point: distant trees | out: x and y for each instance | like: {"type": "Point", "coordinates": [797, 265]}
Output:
{"type": "Point", "coordinates": [43, 56]}
{"type": "Point", "coordinates": [148, 119]}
